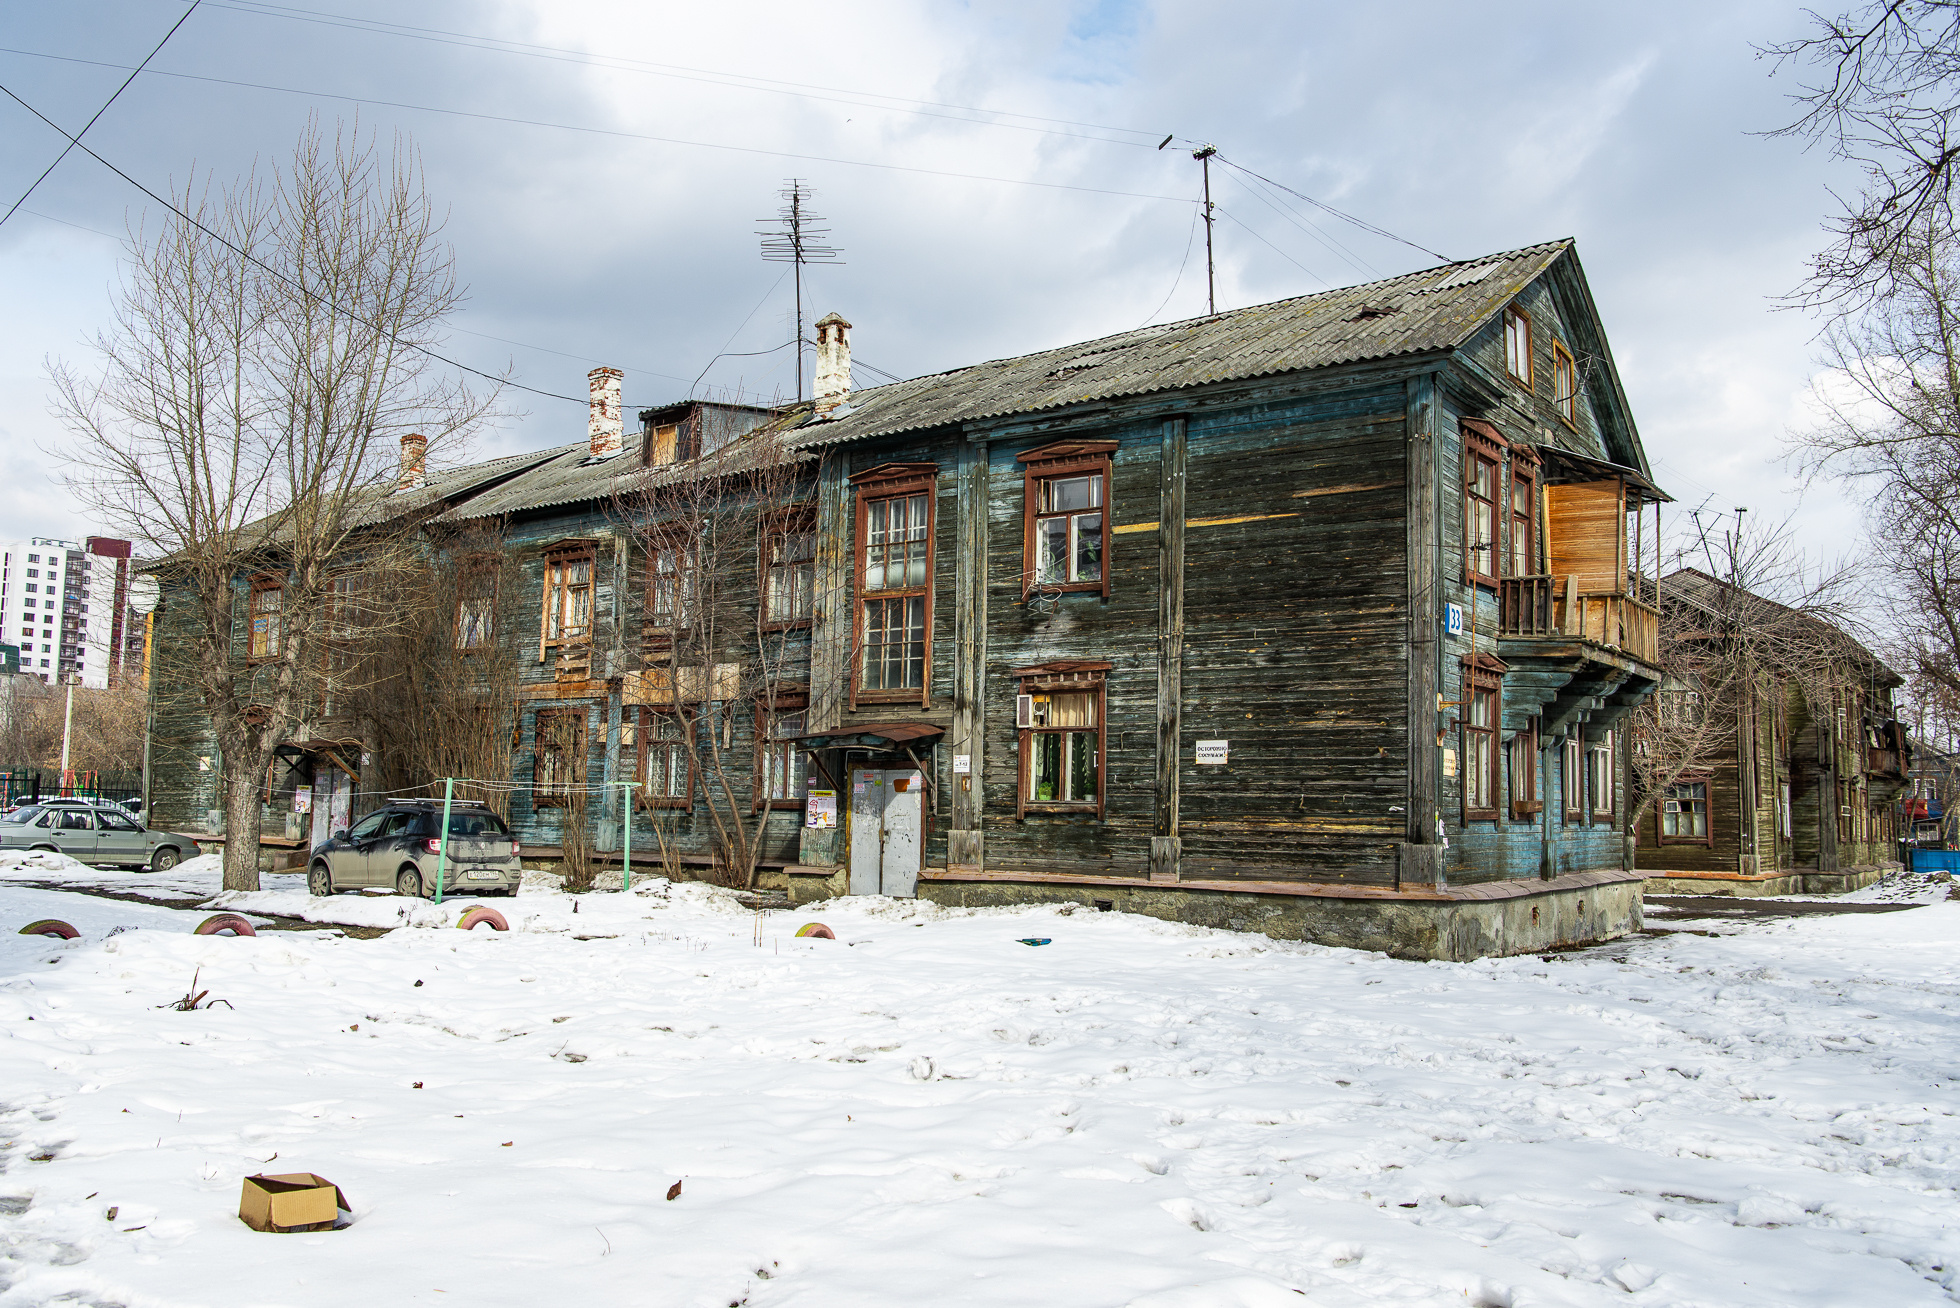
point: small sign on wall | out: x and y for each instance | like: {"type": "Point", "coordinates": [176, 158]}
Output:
{"type": "Point", "coordinates": [1452, 619]}
{"type": "Point", "coordinates": [962, 764]}
{"type": "Point", "coordinates": [1214, 753]}
{"type": "Point", "coordinates": [1449, 762]}
{"type": "Point", "coordinates": [820, 810]}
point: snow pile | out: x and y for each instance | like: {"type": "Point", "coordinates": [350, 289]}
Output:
{"type": "Point", "coordinates": [926, 1110]}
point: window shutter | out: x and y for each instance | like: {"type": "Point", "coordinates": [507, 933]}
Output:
{"type": "Point", "coordinates": [1024, 710]}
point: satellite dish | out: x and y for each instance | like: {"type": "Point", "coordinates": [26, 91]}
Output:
{"type": "Point", "coordinates": [144, 594]}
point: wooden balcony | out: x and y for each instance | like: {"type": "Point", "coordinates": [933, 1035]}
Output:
{"type": "Point", "coordinates": [1551, 607]}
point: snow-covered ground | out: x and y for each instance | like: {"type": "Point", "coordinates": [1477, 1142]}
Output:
{"type": "Point", "coordinates": [927, 1111]}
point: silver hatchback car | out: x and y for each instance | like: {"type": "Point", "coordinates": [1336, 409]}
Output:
{"type": "Point", "coordinates": [398, 846]}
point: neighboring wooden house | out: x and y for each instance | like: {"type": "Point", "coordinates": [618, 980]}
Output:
{"type": "Point", "coordinates": [1799, 794]}
{"type": "Point", "coordinates": [1310, 618]}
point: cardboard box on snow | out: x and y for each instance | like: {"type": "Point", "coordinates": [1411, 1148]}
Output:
{"type": "Point", "coordinates": [292, 1201]}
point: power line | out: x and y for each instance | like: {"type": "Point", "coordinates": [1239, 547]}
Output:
{"type": "Point", "coordinates": [1189, 238]}
{"type": "Point", "coordinates": [1344, 217]}
{"type": "Point", "coordinates": [1258, 191]}
{"type": "Point", "coordinates": [710, 76]}
{"type": "Point", "coordinates": [1274, 248]}
{"type": "Point", "coordinates": [99, 112]}
{"type": "Point", "coordinates": [260, 263]}
{"type": "Point", "coordinates": [608, 131]}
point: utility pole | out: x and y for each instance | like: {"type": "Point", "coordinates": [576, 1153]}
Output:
{"type": "Point", "coordinates": [1203, 156]}
{"type": "Point", "coordinates": [67, 724]}
{"type": "Point", "coordinates": [791, 238]}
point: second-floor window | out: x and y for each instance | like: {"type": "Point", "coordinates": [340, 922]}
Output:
{"type": "Point", "coordinates": [568, 594]}
{"type": "Point", "coordinates": [789, 552]}
{"type": "Point", "coordinates": [1482, 473]}
{"type": "Point", "coordinates": [672, 576]}
{"type": "Point", "coordinates": [1523, 559]}
{"type": "Point", "coordinates": [267, 602]}
{"type": "Point", "coordinates": [476, 603]}
{"type": "Point", "coordinates": [1066, 499]}
{"type": "Point", "coordinates": [894, 542]}
{"type": "Point", "coordinates": [1565, 385]}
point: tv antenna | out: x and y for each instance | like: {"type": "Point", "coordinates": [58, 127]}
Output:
{"type": "Point", "coordinates": [792, 237]}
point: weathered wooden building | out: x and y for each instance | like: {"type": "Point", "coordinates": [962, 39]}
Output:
{"type": "Point", "coordinates": [1800, 794]}
{"type": "Point", "coordinates": [1311, 617]}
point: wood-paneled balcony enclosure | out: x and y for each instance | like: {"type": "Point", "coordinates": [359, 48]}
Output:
{"type": "Point", "coordinates": [1554, 606]}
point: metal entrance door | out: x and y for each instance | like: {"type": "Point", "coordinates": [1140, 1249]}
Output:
{"type": "Point", "coordinates": [886, 808]}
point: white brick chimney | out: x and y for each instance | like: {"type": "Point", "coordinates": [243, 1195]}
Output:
{"type": "Point", "coordinates": [832, 386]}
{"type": "Point", "coordinates": [415, 462]}
{"type": "Point", "coordinates": [606, 427]}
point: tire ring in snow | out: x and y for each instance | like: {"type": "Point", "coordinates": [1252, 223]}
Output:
{"type": "Point", "coordinates": [231, 922]}
{"type": "Point", "coordinates": [816, 930]}
{"type": "Point", "coordinates": [50, 926]}
{"type": "Point", "coordinates": [479, 915]}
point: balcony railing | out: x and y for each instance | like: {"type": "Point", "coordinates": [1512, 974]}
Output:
{"type": "Point", "coordinates": [1550, 606]}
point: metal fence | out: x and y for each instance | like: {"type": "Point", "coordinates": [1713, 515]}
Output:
{"type": "Point", "coordinates": [25, 785]}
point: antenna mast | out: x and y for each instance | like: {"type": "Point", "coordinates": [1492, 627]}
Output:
{"type": "Point", "coordinates": [1203, 156]}
{"type": "Point", "coordinates": [791, 237]}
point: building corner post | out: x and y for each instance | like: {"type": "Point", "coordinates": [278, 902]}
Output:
{"type": "Point", "coordinates": [1166, 844]}
{"type": "Point", "coordinates": [1420, 854]}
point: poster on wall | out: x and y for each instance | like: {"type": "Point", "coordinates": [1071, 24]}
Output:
{"type": "Point", "coordinates": [820, 810]}
{"type": "Point", "coordinates": [303, 799]}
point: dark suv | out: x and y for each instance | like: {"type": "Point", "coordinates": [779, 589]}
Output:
{"type": "Point", "coordinates": [398, 846]}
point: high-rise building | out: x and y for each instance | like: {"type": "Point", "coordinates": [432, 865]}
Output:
{"type": "Point", "coordinates": [66, 606]}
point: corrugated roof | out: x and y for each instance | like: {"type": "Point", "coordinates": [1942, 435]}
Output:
{"type": "Point", "coordinates": [1435, 309]}
{"type": "Point", "coordinates": [1714, 596]}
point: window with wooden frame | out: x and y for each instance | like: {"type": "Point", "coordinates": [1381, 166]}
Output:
{"type": "Point", "coordinates": [557, 756]}
{"type": "Point", "coordinates": [893, 631]}
{"type": "Point", "coordinates": [1060, 720]}
{"type": "Point", "coordinates": [1565, 386]}
{"type": "Point", "coordinates": [1572, 777]}
{"type": "Point", "coordinates": [655, 743]}
{"type": "Point", "coordinates": [1524, 773]}
{"type": "Point", "coordinates": [663, 444]}
{"type": "Point", "coordinates": [1483, 463]}
{"type": "Point", "coordinates": [265, 605]}
{"type": "Point", "coordinates": [1483, 694]}
{"type": "Point", "coordinates": [789, 569]}
{"type": "Point", "coordinates": [673, 582]}
{"type": "Point", "coordinates": [1066, 511]}
{"type": "Point", "coordinates": [1601, 774]}
{"type": "Point", "coordinates": [1521, 558]}
{"type": "Point", "coordinates": [568, 583]}
{"type": "Point", "coordinates": [345, 621]}
{"type": "Point", "coordinates": [779, 763]}
{"type": "Point", "coordinates": [476, 601]}
{"type": "Point", "coordinates": [1517, 344]}
{"type": "Point", "coordinates": [1683, 818]}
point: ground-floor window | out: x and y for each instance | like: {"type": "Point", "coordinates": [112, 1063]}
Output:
{"type": "Point", "coordinates": [1572, 767]}
{"type": "Point", "coordinates": [1684, 812]}
{"type": "Point", "coordinates": [1484, 695]}
{"type": "Point", "coordinates": [1059, 718]}
{"type": "Point", "coordinates": [657, 742]}
{"type": "Point", "coordinates": [779, 765]}
{"type": "Point", "coordinates": [1600, 776]}
{"type": "Point", "coordinates": [558, 756]}
{"type": "Point", "coordinates": [1524, 773]}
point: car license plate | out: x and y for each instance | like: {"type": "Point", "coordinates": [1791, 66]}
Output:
{"type": "Point", "coordinates": [483, 874]}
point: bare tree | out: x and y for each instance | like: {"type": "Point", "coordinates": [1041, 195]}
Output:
{"type": "Point", "coordinates": [1756, 622]}
{"type": "Point", "coordinates": [725, 544]}
{"type": "Point", "coordinates": [1881, 89]}
{"type": "Point", "coordinates": [271, 346]}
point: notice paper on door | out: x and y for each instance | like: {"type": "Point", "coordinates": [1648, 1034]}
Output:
{"type": "Point", "coordinates": [820, 810]}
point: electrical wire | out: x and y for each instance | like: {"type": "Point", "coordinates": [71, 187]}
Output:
{"type": "Point", "coordinates": [1190, 238]}
{"type": "Point", "coordinates": [99, 112]}
{"type": "Point", "coordinates": [1269, 245]}
{"type": "Point", "coordinates": [1258, 191]}
{"type": "Point", "coordinates": [307, 291]}
{"type": "Point", "coordinates": [609, 131]}
{"type": "Point", "coordinates": [1344, 217]}
{"type": "Point", "coordinates": [738, 331]}
{"type": "Point", "coordinates": [710, 76]}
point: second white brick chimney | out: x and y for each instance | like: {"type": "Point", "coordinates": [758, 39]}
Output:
{"type": "Point", "coordinates": [415, 462]}
{"type": "Point", "coordinates": [606, 427]}
{"type": "Point", "coordinates": [832, 386]}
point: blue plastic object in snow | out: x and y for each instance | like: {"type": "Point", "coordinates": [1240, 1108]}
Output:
{"type": "Point", "coordinates": [1041, 940]}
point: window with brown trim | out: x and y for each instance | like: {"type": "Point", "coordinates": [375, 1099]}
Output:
{"type": "Point", "coordinates": [894, 581]}
{"type": "Point", "coordinates": [779, 761]}
{"type": "Point", "coordinates": [789, 569]}
{"type": "Point", "coordinates": [557, 756]}
{"type": "Point", "coordinates": [1066, 509]}
{"type": "Point", "coordinates": [655, 744]}
{"type": "Point", "coordinates": [265, 608]}
{"type": "Point", "coordinates": [1524, 773]}
{"type": "Point", "coordinates": [1601, 774]}
{"type": "Point", "coordinates": [476, 601]}
{"type": "Point", "coordinates": [1481, 473]}
{"type": "Point", "coordinates": [1517, 344]}
{"type": "Point", "coordinates": [673, 579]}
{"type": "Point", "coordinates": [567, 617]}
{"type": "Point", "coordinates": [1683, 817]}
{"type": "Point", "coordinates": [1565, 385]}
{"type": "Point", "coordinates": [1060, 720]}
{"type": "Point", "coordinates": [1482, 720]}
{"type": "Point", "coordinates": [1523, 554]}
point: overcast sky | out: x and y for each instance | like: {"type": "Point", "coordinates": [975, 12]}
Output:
{"type": "Point", "coordinates": [616, 222]}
